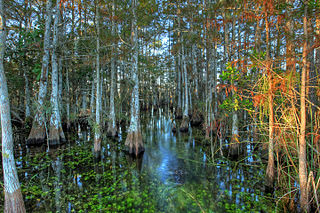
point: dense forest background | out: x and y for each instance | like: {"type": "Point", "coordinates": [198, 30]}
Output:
{"type": "Point", "coordinates": [223, 66]}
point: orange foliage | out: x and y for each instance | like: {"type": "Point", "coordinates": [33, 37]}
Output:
{"type": "Point", "coordinates": [257, 99]}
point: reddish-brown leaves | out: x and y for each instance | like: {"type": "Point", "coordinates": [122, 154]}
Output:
{"type": "Point", "coordinates": [257, 99]}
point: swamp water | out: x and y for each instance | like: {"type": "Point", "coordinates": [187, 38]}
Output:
{"type": "Point", "coordinates": [175, 174]}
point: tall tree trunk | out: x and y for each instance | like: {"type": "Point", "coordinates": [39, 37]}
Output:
{"type": "Point", "coordinates": [226, 49]}
{"type": "Point", "coordinates": [134, 143]}
{"type": "Point", "coordinates": [314, 80]}
{"type": "Point", "coordinates": [209, 79]}
{"type": "Point", "coordinates": [226, 52]}
{"type": "Point", "coordinates": [92, 98]}
{"type": "Point", "coordinates": [28, 118]}
{"type": "Point", "coordinates": [186, 103]}
{"type": "Point", "coordinates": [97, 134]}
{"type": "Point", "coordinates": [56, 135]}
{"type": "Point", "coordinates": [27, 98]}
{"type": "Point", "coordinates": [179, 76]}
{"type": "Point", "coordinates": [68, 99]}
{"type": "Point", "coordinates": [68, 95]}
{"type": "Point", "coordinates": [290, 58]}
{"type": "Point", "coordinates": [38, 131]}
{"type": "Point", "coordinates": [257, 44]}
{"type": "Point", "coordinates": [235, 145]}
{"type": "Point", "coordinates": [185, 120]}
{"type": "Point", "coordinates": [179, 83]}
{"type": "Point", "coordinates": [215, 78]}
{"type": "Point", "coordinates": [112, 128]}
{"type": "Point", "coordinates": [257, 37]}
{"type": "Point", "coordinates": [60, 80]}
{"type": "Point", "coordinates": [212, 106]}
{"type": "Point", "coordinates": [270, 167]}
{"type": "Point", "coordinates": [60, 86]}
{"type": "Point", "coordinates": [190, 99]}
{"type": "Point", "coordinates": [195, 71]}
{"type": "Point", "coordinates": [290, 62]}
{"type": "Point", "coordinates": [207, 67]}
{"type": "Point", "coordinates": [304, 200]}
{"type": "Point", "coordinates": [84, 98]}
{"type": "Point", "coordinates": [13, 201]}
{"type": "Point", "coordinates": [102, 94]}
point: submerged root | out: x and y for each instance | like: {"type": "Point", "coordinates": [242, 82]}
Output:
{"type": "Point", "coordinates": [68, 126]}
{"type": "Point", "coordinates": [112, 131]}
{"type": "Point", "coordinates": [97, 149]}
{"type": "Point", "coordinates": [134, 143]}
{"type": "Point", "coordinates": [56, 136]}
{"type": "Point", "coordinates": [234, 147]}
{"type": "Point", "coordinates": [184, 124]}
{"type": "Point", "coordinates": [37, 135]}
{"type": "Point", "coordinates": [174, 128]}
{"type": "Point", "coordinates": [83, 121]}
{"type": "Point", "coordinates": [178, 113]}
{"type": "Point", "coordinates": [270, 178]}
{"type": "Point", "coordinates": [196, 119]}
{"type": "Point", "coordinates": [97, 145]}
{"type": "Point", "coordinates": [207, 129]}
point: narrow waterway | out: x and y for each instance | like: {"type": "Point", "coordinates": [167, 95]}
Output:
{"type": "Point", "coordinates": [176, 174]}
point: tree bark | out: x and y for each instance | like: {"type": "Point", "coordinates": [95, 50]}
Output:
{"type": "Point", "coordinates": [195, 69]}
{"type": "Point", "coordinates": [314, 80]}
{"type": "Point", "coordinates": [38, 131]}
{"type": "Point", "coordinates": [304, 200]}
{"type": "Point", "coordinates": [179, 82]}
{"type": "Point", "coordinates": [112, 128]}
{"type": "Point", "coordinates": [27, 98]}
{"type": "Point", "coordinates": [84, 99]}
{"type": "Point", "coordinates": [13, 201]}
{"type": "Point", "coordinates": [209, 83]}
{"type": "Point", "coordinates": [56, 135]}
{"type": "Point", "coordinates": [185, 120]}
{"type": "Point", "coordinates": [270, 167]}
{"type": "Point", "coordinates": [235, 144]}
{"type": "Point", "coordinates": [134, 143]}
{"type": "Point", "coordinates": [215, 78]}
{"type": "Point", "coordinates": [97, 134]}
{"type": "Point", "coordinates": [290, 60]}
{"type": "Point", "coordinates": [68, 99]}
{"type": "Point", "coordinates": [92, 98]}
{"type": "Point", "coordinates": [60, 86]}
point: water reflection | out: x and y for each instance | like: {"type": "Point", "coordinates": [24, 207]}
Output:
{"type": "Point", "coordinates": [57, 167]}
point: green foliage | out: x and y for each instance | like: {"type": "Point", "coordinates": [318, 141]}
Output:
{"type": "Point", "coordinates": [230, 74]}
{"type": "Point", "coordinates": [235, 103]}
{"type": "Point", "coordinates": [37, 71]}
{"type": "Point", "coordinates": [234, 100]}
{"type": "Point", "coordinates": [257, 57]}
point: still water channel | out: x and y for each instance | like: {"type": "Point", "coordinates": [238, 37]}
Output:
{"type": "Point", "coordinates": [176, 174]}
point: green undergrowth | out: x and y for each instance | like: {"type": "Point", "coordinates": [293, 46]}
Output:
{"type": "Point", "coordinates": [80, 184]}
